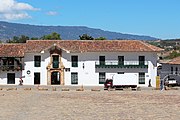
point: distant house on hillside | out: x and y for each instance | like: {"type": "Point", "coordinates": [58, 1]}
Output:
{"type": "Point", "coordinates": [77, 62]}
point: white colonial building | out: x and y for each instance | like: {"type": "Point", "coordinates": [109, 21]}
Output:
{"type": "Point", "coordinates": [76, 62]}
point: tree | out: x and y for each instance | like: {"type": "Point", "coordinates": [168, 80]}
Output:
{"type": "Point", "coordinates": [34, 38]}
{"type": "Point", "coordinates": [172, 55]}
{"type": "Point", "coordinates": [21, 39]}
{"type": "Point", "coordinates": [86, 37]}
{"type": "Point", "coordinates": [15, 39]}
{"type": "Point", "coordinates": [52, 36]}
{"type": "Point", "coordinates": [101, 38]}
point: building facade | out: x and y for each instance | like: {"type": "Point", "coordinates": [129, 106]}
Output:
{"type": "Point", "coordinates": [170, 69]}
{"type": "Point", "coordinates": [76, 62]}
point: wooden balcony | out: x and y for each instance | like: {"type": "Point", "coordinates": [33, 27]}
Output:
{"type": "Point", "coordinates": [11, 67]}
{"type": "Point", "coordinates": [125, 64]}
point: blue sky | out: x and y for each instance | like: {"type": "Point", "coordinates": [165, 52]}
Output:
{"type": "Point", "coordinates": [157, 18]}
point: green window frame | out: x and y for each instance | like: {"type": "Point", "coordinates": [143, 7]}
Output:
{"type": "Point", "coordinates": [120, 60]}
{"type": "Point", "coordinates": [37, 61]}
{"type": "Point", "coordinates": [102, 60]}
{"type": "Point", "coordinates": [141, 78]}
{"type": "Point", "coordinates": [141, 60]}
{"type": "Point", "coordinates": [74, 78]}
{"type": "Point", "coordinates": [102, 77]}
{"type": "Point", "coordinates": [55, 61]}
{"type": "Point", "coordinates": [74, 60]}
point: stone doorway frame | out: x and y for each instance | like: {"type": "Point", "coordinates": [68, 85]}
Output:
{"type": "Point", "coordinates": [55, 51]}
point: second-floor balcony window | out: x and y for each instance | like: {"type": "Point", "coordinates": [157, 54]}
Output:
{"type": "Point", "coordinates": [141, 60]}
{"type": "Point", "coordinates": [120, 60]}
{"type": "Point", "coordinates": [125, 64]}
{"type": "Point", "coordinates": [10, 63]}
{"type": "Point", "coordinates": [102, 60]}
{"type": "Point", "coordinates": [74, 60]}
{"type": "Point", "coordinates": [55, 61]}
{"type": "Point", "coordinates": [37, 61]}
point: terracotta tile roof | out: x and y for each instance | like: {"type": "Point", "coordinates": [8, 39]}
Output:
{"type": "Point", "coordinates": [175, 61]}
{"type": "Point", "coordinates": [12, 50]}
{"type": "Point", "coordinates": [92, 45]}
{"type": "Point", "coordinates": [18, 50]}
{"type": "Point", "coordinates": [39, 45]}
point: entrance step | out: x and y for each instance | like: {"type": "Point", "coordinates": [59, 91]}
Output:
{"type": "Point", "coordinates": [65, 89]}
{"type": "Point", "coordinates": [42, 89]}
{"type": "Point", "coordinates": [80, 89]}
{"type": "Point", "coordinates": [95, 89]}
{"type": "Point", "coordinates": [11, 89]}
{"type": "Point", "coordinates": [27, 88]}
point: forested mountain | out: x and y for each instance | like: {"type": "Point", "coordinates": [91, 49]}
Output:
{"type": "Point", "coordinates": [8, 30]}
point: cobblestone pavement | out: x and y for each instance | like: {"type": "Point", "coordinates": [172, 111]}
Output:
{"type": "Point", "coordinates": [89, 105]}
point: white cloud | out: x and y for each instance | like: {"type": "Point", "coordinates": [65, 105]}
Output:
{"type": "Point", "coordinates": [15, 16]}
{"type": "Point", "coordinates": [13, 10]}
{"type": "Point", "coordinates": [52, 13]}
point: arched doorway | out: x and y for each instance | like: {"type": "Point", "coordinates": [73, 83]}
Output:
{"type": "Point", "coordinates": [55, 78]}
{"type": "Point", "coordinates": [55, 68]}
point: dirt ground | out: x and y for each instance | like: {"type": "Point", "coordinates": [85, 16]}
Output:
{"type": "Point", "coordinates": [89, 105]}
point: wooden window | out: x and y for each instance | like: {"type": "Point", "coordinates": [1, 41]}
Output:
{"type": "Point", "coordinates": [55, 61]}
{"type": "Point", "coordinates": [74, 60]}
{"type": "Point", "coordinates": [74, 78]}
{"type": "Point", "coordinates": [141, 60]}
{"type": "Point", "coordinates": [102, 77]}
{"type": "Point", "coordinates": [120, 60]}
{"type": "Point", "coordinates": [102, 60]}
{"type": "Point", "coordinates": [141, 78]}
{"type": "Point", "coordinates": [37, 61]}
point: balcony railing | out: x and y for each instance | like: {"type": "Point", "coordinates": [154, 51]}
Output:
{"type": "Point", "coordinates": [11, 67]}
{"type": "Point", "coordinates": [125, 64]}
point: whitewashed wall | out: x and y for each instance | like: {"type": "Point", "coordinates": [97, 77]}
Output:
{"type": "Point", "coordinates": [89, 75]}
{"type": "Point", "coordinates": [3, 77]}
{"type": "Point", "coordinates": [29, 65]}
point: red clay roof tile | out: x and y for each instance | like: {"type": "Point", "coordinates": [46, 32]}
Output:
{"type": "Point", "coordinates": [18, 50]}
{"type": "Point", "coordinates": [12, 50]}
{"type": "Point", "coordinates": [92, 45]}
{"type": "Point", "coordinates": [175, 61]}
